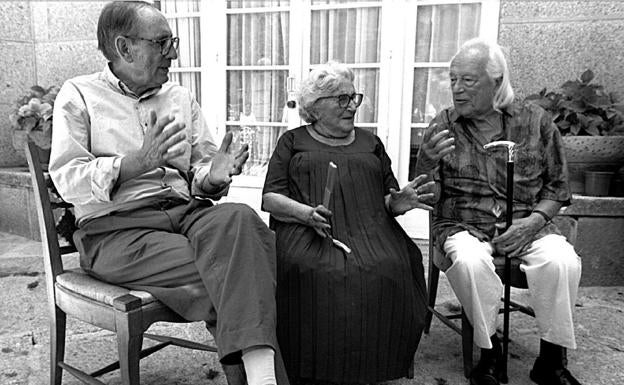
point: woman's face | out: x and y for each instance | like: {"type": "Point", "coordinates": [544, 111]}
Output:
{"type": "Point", "coordinates": [330, 115]}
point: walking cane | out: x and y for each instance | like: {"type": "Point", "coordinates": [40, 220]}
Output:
{"type": "Point", "coordinates": [510, 147]}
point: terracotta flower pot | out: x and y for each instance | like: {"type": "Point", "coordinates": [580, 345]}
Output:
{"type": "Point", "coordinates": [592, 153]}
{"type": "Point", "coordinates": [20, 137]}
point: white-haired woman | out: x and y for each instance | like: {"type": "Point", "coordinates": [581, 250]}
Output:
{"type": "Point", "coordinates": [343, 317]}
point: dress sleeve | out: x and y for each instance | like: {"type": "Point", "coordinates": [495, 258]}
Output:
{"type": "Point", "coordinates": [389, 179]}
{"type": "Point", "coordinates": [277, 178]}
{"type": "Point", "coordinates": [80, 177]}
{"type": "Point", "coordinates": [556, 186]}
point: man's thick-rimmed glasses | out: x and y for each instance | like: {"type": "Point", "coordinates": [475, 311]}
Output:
{"type": "Point", "coordinates": [345, 99]}
{"type": "Point", "coordinates": [165, 44]}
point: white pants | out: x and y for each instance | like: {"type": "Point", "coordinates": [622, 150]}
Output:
{"type": "Point", "coordinates": [553, 271]}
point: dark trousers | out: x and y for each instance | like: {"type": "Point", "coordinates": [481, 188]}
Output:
{"type": "Point", "coordinates": [212, 263]}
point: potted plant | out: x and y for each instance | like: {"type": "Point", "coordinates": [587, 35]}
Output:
{"type": "Point", "coordinates": [32, 119]}
{"type": "Point", "coordinates": [591, 121]}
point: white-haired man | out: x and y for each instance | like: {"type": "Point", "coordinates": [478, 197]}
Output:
{"type": "Point", "coordinates": [470, 213]}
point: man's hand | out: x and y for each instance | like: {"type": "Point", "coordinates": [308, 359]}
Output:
{"type": "Point", "coordinates": [416, 194]}
{"type": "Point", "coordinates": [225, 165]}
{"type": "Point", "coordinates": [160, 140]}
{"type": "Point", "coordinates": [521, 232]}
{"type": "Point", "coordinates": [436, 148]}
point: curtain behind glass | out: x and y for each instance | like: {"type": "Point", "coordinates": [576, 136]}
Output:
{"type": "Point", "coordinates": [256, 95]}
{"type": "Point", "coordinates": [189, 51]}
{"type": "Point", "coordinates": [440, 31]}
{"type": "Point", "coordinates": [351, 36]}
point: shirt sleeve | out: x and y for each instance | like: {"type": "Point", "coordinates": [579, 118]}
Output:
{"type": "Point", "coordinates": [79, 176]}
{"type": "Point", "coordinates": [555, 175]}
{"type": "Point", "coordinates": [203, 149]}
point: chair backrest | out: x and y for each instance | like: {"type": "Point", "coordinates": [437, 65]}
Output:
{"type": "Point", "coordinates": [52, 251]}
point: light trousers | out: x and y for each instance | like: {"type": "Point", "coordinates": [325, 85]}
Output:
{"type": "Point", "coordinates": [553, 271]}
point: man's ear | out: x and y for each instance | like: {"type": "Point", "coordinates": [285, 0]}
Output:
{"type": "Point", "coordinates": [123, 49]}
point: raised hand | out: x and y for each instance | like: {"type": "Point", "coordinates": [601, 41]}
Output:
{"type": "Point", "coordinates": [162, 142]}
{"type": "Point", "coordinates": [225, 164]}
{"type": "Point", "coordinates": [436, 148]}
{"type": "Point", "coordinates": [161, 138]}
{"type": "Point", "coordinates": [415, 194]}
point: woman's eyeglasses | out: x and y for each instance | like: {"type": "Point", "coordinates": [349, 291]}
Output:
{"type": "Point", "coordinates": [345, 99]}
{"type": "Point", "coordinates": [165, 44]}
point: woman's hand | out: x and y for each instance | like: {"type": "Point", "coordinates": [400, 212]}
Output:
{"type": "Point", "coordinates": [416, 194]}
{"type": "Point", "coordinates": [225, 165]}
{"type": "Point", "coordinates": [317, 218]}
{"type": "Point", "coordinates": [521, 232]}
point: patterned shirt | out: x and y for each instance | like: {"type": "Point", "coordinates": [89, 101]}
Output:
{"type": "Point", "coordinates": [98, 120]}
{"type": "Point", "coordinates": [473, 180]}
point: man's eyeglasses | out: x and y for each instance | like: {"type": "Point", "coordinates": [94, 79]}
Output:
{"type": "Point", "coordinates": [165, 44]}
{"type": "Point", "coordinates": [345, 99]}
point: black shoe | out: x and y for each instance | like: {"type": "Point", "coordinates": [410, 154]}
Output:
{"type": "Point", "coordinates": [544, 374]}
{"type": "Point", "coordinates": [485, 373]}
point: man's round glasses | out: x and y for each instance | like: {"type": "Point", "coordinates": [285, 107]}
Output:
{"type": "Point", "coordinates": [165, 44]}
{"type": "Point", "coordinates": [345, 99]}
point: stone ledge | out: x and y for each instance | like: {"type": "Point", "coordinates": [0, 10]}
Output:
{"type": "Point", "coordinates": [588, 206]}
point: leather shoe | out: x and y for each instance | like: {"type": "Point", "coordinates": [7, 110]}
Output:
{"type": "Point", "coordinates": [543, 374]}
{"type": "Point", "coordinates": [485, 373]}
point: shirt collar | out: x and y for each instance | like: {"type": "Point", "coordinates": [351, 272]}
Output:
{"type": "Point", "coordinates": [121, 87]}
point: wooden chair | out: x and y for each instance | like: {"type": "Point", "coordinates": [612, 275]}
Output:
{"type": "Point", "coordinates": [518, 280]}
{"type": "Point", "coordinates": [128, 313]}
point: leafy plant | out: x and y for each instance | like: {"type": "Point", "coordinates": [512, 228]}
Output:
{"type": "Point", "coordinates": [33, 114]}
{"type": "Point", "coordinates": [583, 108]}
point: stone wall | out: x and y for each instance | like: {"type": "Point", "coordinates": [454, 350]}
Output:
{"type": "Point", "coordinates": [554, 41]}
{"type": "Point", "coordinates": [45, 43]}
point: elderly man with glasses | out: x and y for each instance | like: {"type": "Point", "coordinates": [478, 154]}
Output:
{"type": "Point", "coordinates": [134, 155]}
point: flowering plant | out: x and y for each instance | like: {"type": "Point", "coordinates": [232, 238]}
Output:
{"type": "Point", "coordinates": [33, 114]}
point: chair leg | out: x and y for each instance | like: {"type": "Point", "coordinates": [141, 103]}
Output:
{"type": "Point", "coordinates": [432, 291]}
{"type": "Point", "coordinates": [467, 343]}
{"type": "Point", "coordinates": [129, 343]}
{"type": "Point", "coordinates": [57, 345]}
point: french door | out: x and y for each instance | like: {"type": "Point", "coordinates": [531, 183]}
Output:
{"type": "Point", "coordinates": [245, 58]}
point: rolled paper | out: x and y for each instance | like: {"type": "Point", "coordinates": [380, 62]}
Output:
{"type": "Point", "coordinates": [332, 173]}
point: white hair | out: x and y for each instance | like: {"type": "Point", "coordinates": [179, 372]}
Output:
{"type": "Point", "coordinates": [324, 80]}
{"type": "Point", "coordinates": [496, 68]}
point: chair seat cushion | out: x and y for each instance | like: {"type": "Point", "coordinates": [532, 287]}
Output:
{"type": "Point", "coordinates": [78, 281]}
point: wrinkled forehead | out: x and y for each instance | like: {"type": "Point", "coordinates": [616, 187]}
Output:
{"type": "Point", "coordinates": [469, 62]}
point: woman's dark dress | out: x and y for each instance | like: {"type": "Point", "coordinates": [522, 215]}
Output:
{"type": "Point", "coordinates": [354, 318]}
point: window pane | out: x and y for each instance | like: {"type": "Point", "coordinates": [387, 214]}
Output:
{"type": "Point", "coordinates": [261, 141]}
{"type": "Point", "coordinates": [256, 95]}
{"type": "Point", "coordinates": [189, 51]}
{"type": "Point", "coordinates": [257, 3]}
{"type": "Point", "coordinates": [441, 29]}
{"type": "Point", "coordinates": [345, 35]}
{"type": "Point", "coordinates": [190, 80]}
{"type": "Point", "coordinates": [431, 93]}
{"type": "Point", "coordinates": [366, 82]}
{"type": "Point", "coordinates": [258, 39]}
